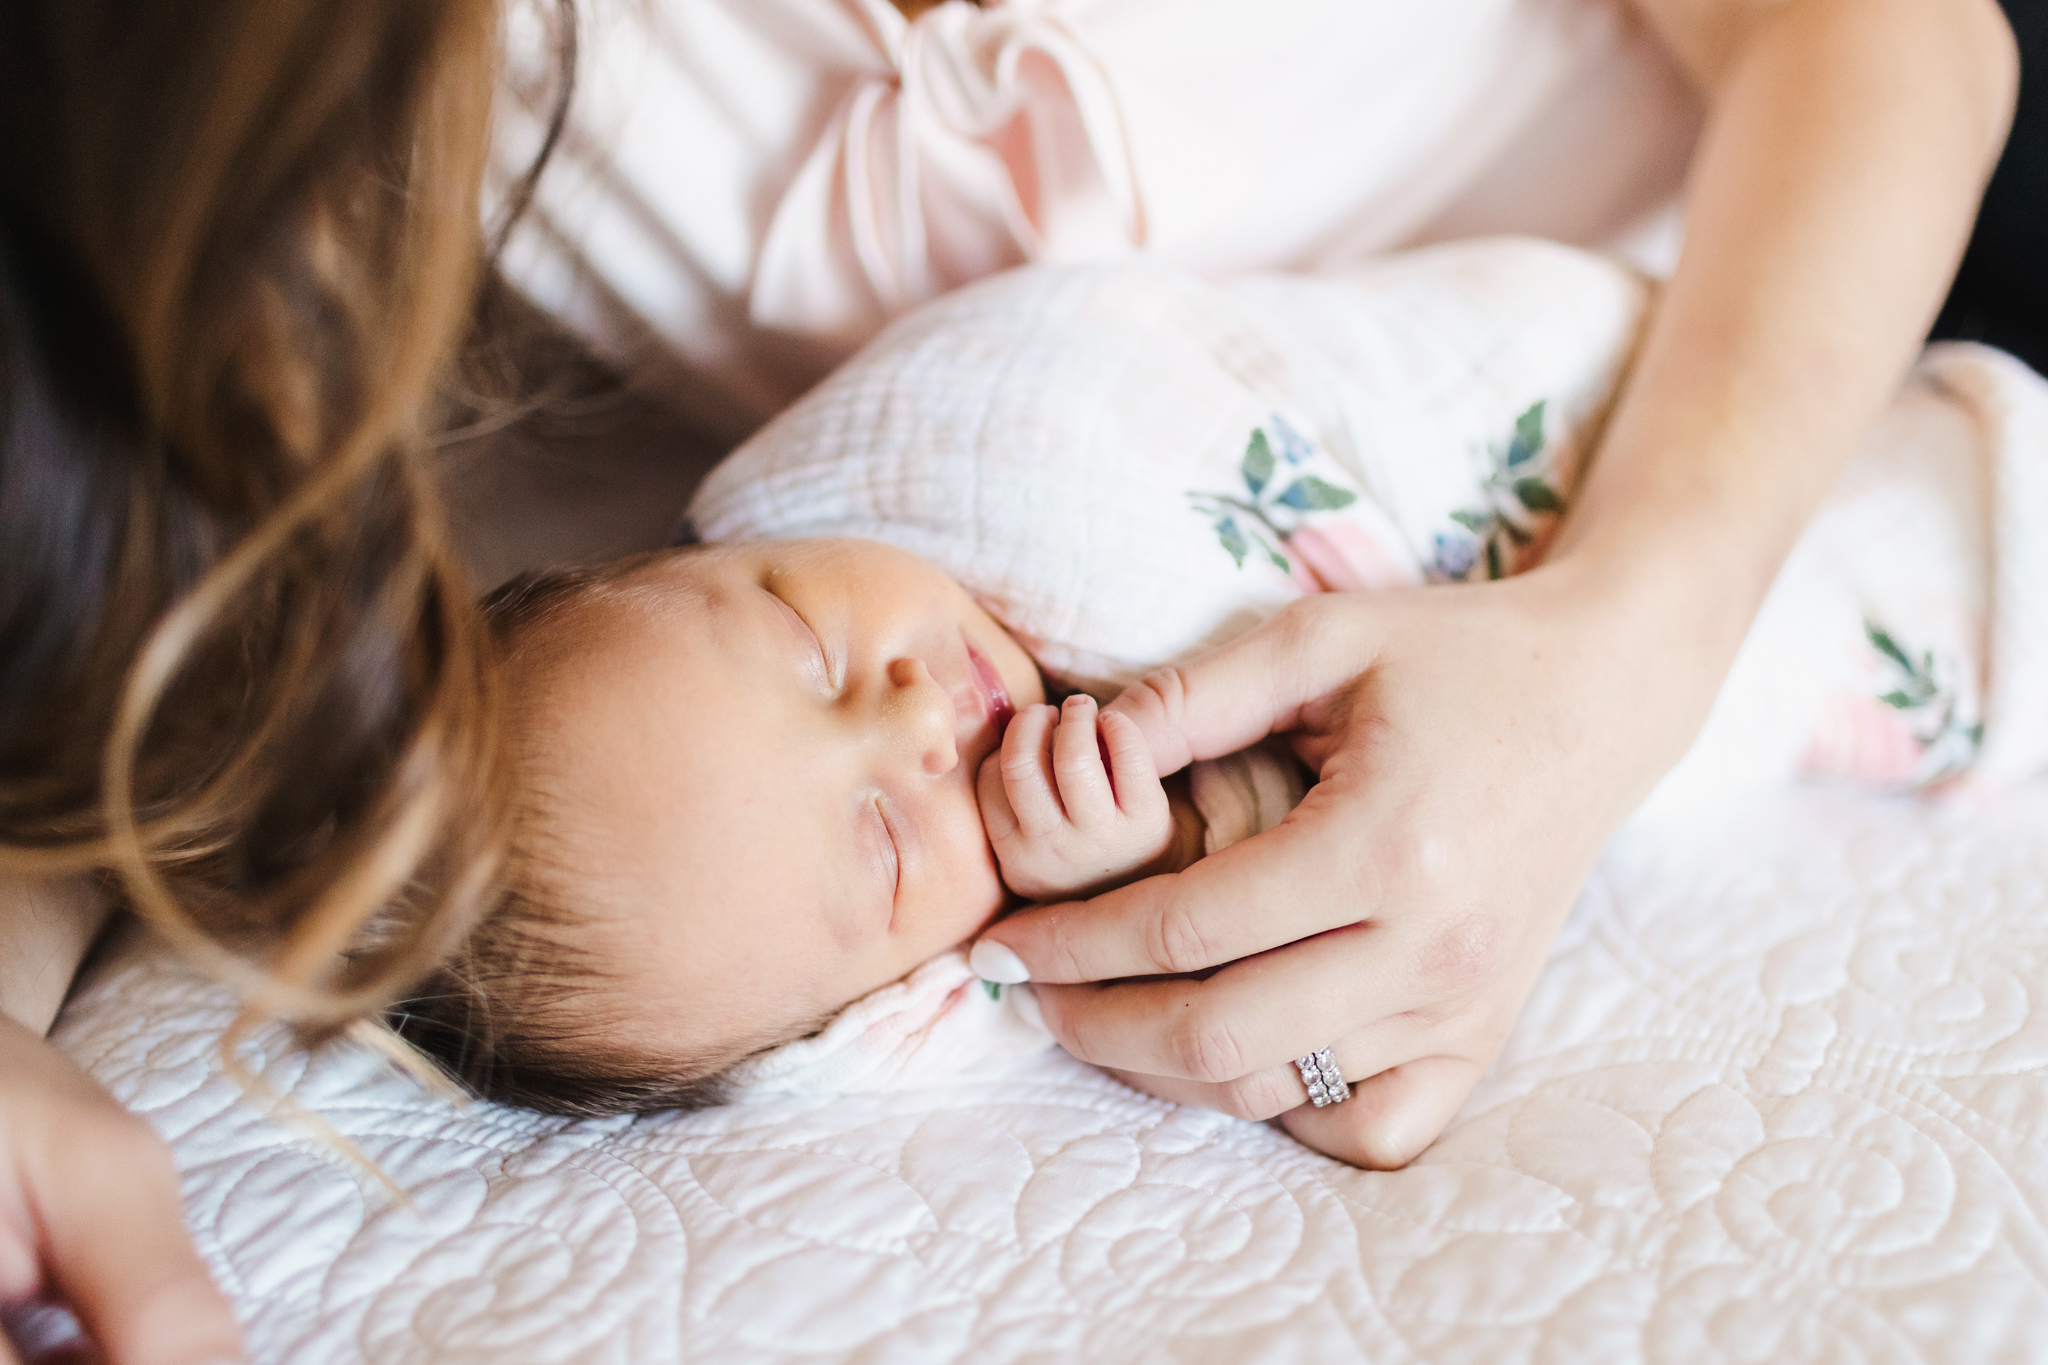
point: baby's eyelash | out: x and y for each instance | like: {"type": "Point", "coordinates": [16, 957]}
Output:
{"type": "Point", "coordinates": [830, 671]}
{"type": "Point", "coordinates": [835, 669]}
{"type": "Point", "coordinates": [835, 677]}
{"type": "Point", "coordinates": [895, 848]}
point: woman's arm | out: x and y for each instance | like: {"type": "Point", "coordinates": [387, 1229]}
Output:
{"type": "Point", "coordinates": [1828, 203]}
{"type": "Point", "coordinates": [46, 927]}
{"type": "Point", "coordinates": [1476, 746]}
{"type": "Point", "coordinates": [89, 1208]}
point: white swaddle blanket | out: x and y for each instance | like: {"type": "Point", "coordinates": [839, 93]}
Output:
{"type": "Point", "coordinates": [1127, 466]}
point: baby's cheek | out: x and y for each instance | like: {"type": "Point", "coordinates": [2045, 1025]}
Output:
{"type": "Point", "coordinates": [966, 894]}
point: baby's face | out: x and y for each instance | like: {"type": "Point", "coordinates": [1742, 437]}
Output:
{"type": "Point", "coordinates": [755, 768]}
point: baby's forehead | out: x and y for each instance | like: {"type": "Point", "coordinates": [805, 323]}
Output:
{"type": "Point", "coordinates": [616, 612]}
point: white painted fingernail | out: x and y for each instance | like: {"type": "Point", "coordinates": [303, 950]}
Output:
{"type": "Point", "coordinates": [991, 961]}
{"type": "Point", "coordinates": [1025, 1002]}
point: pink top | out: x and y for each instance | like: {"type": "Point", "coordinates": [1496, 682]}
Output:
{"type": "Point", "coordinates": [757, 186]}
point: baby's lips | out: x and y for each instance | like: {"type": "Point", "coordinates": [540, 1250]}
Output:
{"type": "Point", "coordinates": [989, 682]}
{"type": "Point", "coordinates": [991, 961]}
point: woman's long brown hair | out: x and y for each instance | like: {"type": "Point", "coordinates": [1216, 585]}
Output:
{"type": "Point", "coordinates": [240, 667]}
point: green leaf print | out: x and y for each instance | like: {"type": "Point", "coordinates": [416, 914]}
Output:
{"type": "Point", "coordinates": [1475, 522]}
{"type": "Point", "coordinates": [1949, 741]}
{"type": "Point", "coordinates": [1266, 520]}
{"type": "Point", "coordinates": [1232, 536]}
{"type": "Point", "coordinates": [1538, 496]}
{"type": "Point", "coordinates": [994, 989]}
{"type": "Point", "coordinates": [1311, 494]}
{"type": "Point", "coordinates": [1494, 567]}
{"type": "Point", "coordinates": [1528, 441]}
{"type": "Point", "coordinates": [1258, 462]}
{"type": "Point", "coordinates": [1882, 641]}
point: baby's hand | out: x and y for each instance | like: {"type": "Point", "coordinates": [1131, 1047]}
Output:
{"type": "Point", "coordinates": [1060, 824]}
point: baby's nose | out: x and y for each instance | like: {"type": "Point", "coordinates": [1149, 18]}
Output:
{"type": "Point", "coordinates": [923, 716]}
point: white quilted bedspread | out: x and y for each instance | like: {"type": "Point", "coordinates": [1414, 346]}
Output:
{"type": "Point", "coordinates": [1780, 1097]}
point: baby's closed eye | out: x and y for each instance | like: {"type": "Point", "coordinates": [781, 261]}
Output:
{"type": "Point", "coordinates": [813, 662]}
{"type": "Point", "coordinates": [878, 846]}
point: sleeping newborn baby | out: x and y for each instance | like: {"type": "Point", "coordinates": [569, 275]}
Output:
{"type": "Point", "coordinates": [771, 784]}
{"type": "Point", "coordinates": [764, 779]}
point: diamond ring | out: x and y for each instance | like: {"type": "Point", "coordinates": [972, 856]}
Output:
{"type": "Point", "coordinates": [1325, 1083]}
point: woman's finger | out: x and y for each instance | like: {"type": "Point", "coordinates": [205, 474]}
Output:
{"type": "Point", "coordinates": [1314, 871]}
{"type": "Point", "coordinates": [1077, 764]}
{"type": "Point", "coordinates": [1236, 695]}
{"type": "Point", "coordinates": [1131, 770]}
{"type": "Point", "coordinates": [1263, 1095]}
{"type": "Point", "coordinates": [1027, 771]}
{"type": "Point", "coordinates": [1271, 1091]}
{"type": "Point", "coordinates": [118, 1254]}
{"type": "Point", "coordinates": [1392, 1117]}
{"type": "Point", "coordinates": [1259, 1013]}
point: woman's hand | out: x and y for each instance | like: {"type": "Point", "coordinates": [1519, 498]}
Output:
{"type": "Point", "coordinates": [89, 1208]}
{"type": "Point", "coordinates": [1475, 747]}
{"type": "Point", "coordinates": [90, 1217]}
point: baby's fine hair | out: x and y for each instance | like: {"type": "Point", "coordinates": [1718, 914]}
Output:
{"type": "Point", "coordinates": [512, 1016]}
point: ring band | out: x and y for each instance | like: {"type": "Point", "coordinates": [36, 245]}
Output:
{"type": "Point", "coordinates": [1325, 1083]}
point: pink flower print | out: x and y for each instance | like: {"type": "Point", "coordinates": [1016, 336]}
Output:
{"type": "Point", "coordinates": [1300, 572]}
{"type": "Point", "coordinates": [1343, 557]}
{"type": "Point", "coordinates": [1861, 738]}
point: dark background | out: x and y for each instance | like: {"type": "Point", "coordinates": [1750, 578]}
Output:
{"type": "Point", "coordinates": [2001, 292]}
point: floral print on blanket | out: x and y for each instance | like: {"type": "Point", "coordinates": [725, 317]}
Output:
{"type": "Point", "coordinates": [1278, 519]}
{"type": "Point", "coordinates": [1272, 515]}
{"type": "Point", "coordinates": [1913, 733]}
{"type": "Point", "coordinates": [1521, 506]}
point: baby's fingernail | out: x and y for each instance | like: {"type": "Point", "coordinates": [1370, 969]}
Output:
{"type": "Point", "coordinates": [1025, 1002]}
{"type": "Point", "coordinates": [991, 961]}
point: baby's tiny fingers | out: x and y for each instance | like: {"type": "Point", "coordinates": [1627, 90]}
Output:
{"type": "Point", "coordinates": [1077, 763]}
{"type": "Point", "coordinates": [1027, 771]}
{"type": "Point", "coordinates": [996, 816]}
{"type": "Point", "coordinates": [1138, 793]}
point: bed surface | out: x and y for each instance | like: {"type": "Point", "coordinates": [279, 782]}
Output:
{"type": "Point", "coordinates": [1780, 1096]}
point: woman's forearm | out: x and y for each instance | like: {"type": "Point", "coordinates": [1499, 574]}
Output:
{"type": "Point", "coordinates": [45, 929]}
{"type": "Point", "coordinates": [1845, 151]}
